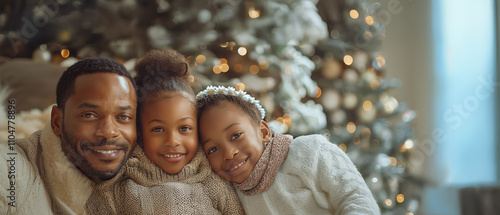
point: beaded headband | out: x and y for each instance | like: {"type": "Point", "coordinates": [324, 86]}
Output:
{"type": "Point", "coordinates": [213, 90]}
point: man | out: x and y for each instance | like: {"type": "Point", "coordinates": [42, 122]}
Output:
{"type": "Point", "coordinates": [91, 135]}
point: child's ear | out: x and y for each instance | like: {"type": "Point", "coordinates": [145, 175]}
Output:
{"type": "Point", "coordinates": [265, 132]}
{"type": "Point", "coordinates": [56, 116]}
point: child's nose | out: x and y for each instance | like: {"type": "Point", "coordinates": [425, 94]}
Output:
{"type": "Point", "coordinates": [230, 153]}
{"type": "Point", "coordinates": [172, 141]}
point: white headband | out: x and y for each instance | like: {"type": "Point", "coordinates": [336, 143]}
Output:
{"type": "Point", "coordinates": [213, 90]}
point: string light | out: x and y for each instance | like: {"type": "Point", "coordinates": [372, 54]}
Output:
{"type": "Point", "coordinates": [407, 145]}
{"type": "Point", "coordinates": [216, 69]}
{"type": "Point", "coordinates": [240, 86]}
{"type": "Point", "coordinates": [380, 61]}
{"type": "Point", "coordinates": [318, 92]}
{"type": "Point", "coordinates": [223, 60]}
{"type": "Point", "coordinates": [400, 198]}
{"type": "Point", "coordinates": [200, 59]}
{"type": "Point", "coordinates": [357, 139]}
{"type": "Point", "coordinates": [65, 53]}
{"type": "Point", "coordinates": [348, 60]}
{"type": "Point", "coordinates": [366, 132]}
{"type": "Point", "coordinates": [343, 147]}
{"type": "Point", "coordinates": [354, 14]}
{"type": "Point", "coordinates": [254, 69]}
{"type": "Point", "coordinates": [367, 105]}
{"type": "Point", "coordinates": [287, 115]}
{"type": "Point", "coordinates": [224, 45]}
{"type": "Point", "coordinates": [394, 161]}
{"type": "Point", "coordinates": [242, 51]}
{"type": "Point", "coordinates": [351, 127]}
{"type": "Point", "coordinates": [374, 84]}
{"type": "Point", "coordinates": [369, 20]}
{"type": "Point", "coordinates": [263, 65]}
{"type": "Point", "coordinates": [388, 202]}
{"type": "Point", "coordinates": [224, 67]}
{"type": "Point", "coordinates": [253, 13]}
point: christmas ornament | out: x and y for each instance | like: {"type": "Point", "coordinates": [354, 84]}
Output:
{"type": "Point", "coordinates": [331, 99]}
{"type": "Point", "coordinates": [41, 54]}
{"type": "Point", "coordinates": [331, 69]}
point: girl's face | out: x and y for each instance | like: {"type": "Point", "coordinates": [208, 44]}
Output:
{"type": "Point", "coordinates": [169, 132]}
{"type": "Point", "coordinates": [232, 142]}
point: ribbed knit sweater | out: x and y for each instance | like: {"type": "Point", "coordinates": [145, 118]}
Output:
{"type": "Point", "coordinates": [144, 188]}
{"type": "Point", "coordinates": [315, 178]}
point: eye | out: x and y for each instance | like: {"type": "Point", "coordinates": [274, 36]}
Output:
{"type": "Point", "coordinates": [213, 149]}
{"type": "Point", "coordinates": [157, 129]}
{"type": "Point", "coordinates": [88, 115]}
{"type": "Point", "coordinates": [185, 128]}
{"type": "Point", "coordinates": [235, 136]}
{"type": "Point", "coordinates": [125, 117]}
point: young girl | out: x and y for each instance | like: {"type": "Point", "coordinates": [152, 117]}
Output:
{"type": "Point", "coordinates": [169, 173]}
{"type": "Point", "coordinates": [276, 174]}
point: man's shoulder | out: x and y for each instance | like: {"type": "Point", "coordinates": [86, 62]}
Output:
{"type": "Point", "coordinates": [24, 148]}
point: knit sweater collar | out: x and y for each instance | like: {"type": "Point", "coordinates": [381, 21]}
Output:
{"type": "Point", "coordinates": [267, 167]}
{"type": "Point", "coordinates": [144, 172]}
{"type": "Point", "coordinates": [68, 186]}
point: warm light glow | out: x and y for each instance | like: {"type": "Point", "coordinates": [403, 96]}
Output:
{"type": "Point", "coordinates": [242, 51]}
{"type": "Point", "coordinates": [357, 140]}
{"type": "Point", "coordinates": [238, 68]}
{"type": "Point", "coordinates": [191, 78]}
{"type": "Point", "coordinates": [224, 67]}
{"type": "Point", "coordinates": [366, 132]}
{"type": "Point", "coordinates": [287, 115]}
{"type": "Point", "coordinates": [231, 45]}
{"type": "Point", "coordinates": [318, 92]}
{"type": "Point", "coordinates": [348, 60]}
{"type": "Point", "coordinates": [407, 145]}
{"type": "Point", "coordinates": [400, 198]}
{"type": "Point", "coordinates": [367, 105]}
{"type": "Point", "coordinates": [388, 202]}
{"type": "Point", "coordinates": [368, 35]}
{"type": "Point", "coordinates": [253, 13]}
{"type": "Point", "coordinates": [374, 180]}
{"type": "Point", "coordinates": [65, 53]}
{"type": "Point", "coordinates": [351, 127]}
{"type": "Point", "coordinates": [279, 119]}
{"type": "Point", "coordinates": [409, 213]}
{"type": "Point", "coordinates": [380, 61]}
{"type": "Point", "coordinates": [188, 59]}
{"type": "Point", "coordinates": [216, 69]}
{"type": "Point", "coordinates": [254, 69]}
{"type": "Point", "coordinates": [200, 59]}
{"type": "Point", "coordinates": [354, 14]}
{"type": "Point", "coordinates": [224, 45]}
{"type": "Point", "coordinates": [263, 65]}
{"type": "Point", "coordinates": [287, 121]}
{"type": "Point", "coordinates": [369, 20]}
{"type": "Point", "coordinates": [240, 86]}
{"type": "Point", "coordinates": [394, 161]}
{"type": "Point", "coordinates": [343, 147]}
{"type": "Point", "coordinates": [223, 60]}
{"type": "Point", "coordinates": [374, 84]}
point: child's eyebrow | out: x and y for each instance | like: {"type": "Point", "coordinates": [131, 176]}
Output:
{"type": "Point", "coordinates": [231, 126]}
{"type": "Point", "coordinates": [155, 120]}
{"type": "Point", "coordinates": [225, 129]}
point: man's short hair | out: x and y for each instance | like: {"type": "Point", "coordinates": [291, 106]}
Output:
{"type": "Point", "coordinates": [66, 84]}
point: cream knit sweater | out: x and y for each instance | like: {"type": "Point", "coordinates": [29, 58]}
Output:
{"type": "Point", "coordinates": [316, 178]}
{"type": "Point", "coordinates": [144, 188]}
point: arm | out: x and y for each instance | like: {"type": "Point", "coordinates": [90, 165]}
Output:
{"type": "Point", "coordinates": [339, 179]}
{"type": "Point", "coordinates": [224, 196]}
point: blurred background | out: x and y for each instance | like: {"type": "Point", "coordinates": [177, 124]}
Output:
{"type": "Point", "coordinates": [408, 89]}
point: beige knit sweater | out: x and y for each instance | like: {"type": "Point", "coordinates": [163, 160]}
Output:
{"type": "Point", "coordinates": [44, 180]}
{"type": "Point", "coordinates": [144, 188]}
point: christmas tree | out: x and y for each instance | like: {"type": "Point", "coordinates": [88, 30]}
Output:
{"type": "Point", "coordinates": [314, 65]}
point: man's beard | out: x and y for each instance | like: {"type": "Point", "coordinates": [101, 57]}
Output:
{"type": "Point", "coordinates": [70, 149]}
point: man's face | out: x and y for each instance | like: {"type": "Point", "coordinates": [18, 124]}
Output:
{"type": "Point", "coordinates": [98, 124]}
